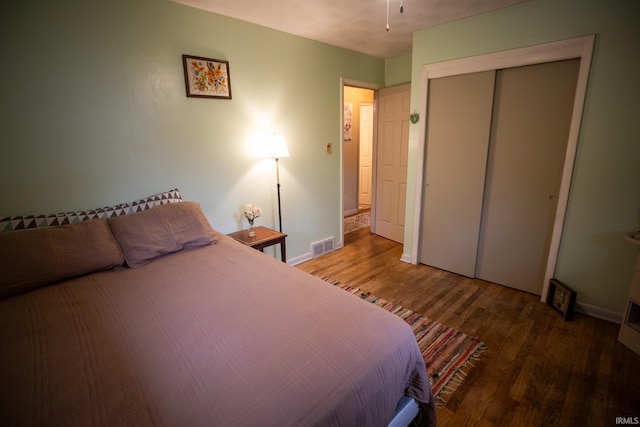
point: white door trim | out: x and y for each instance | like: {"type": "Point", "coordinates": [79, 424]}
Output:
{"type": "Point", "coordinates": [580, 47]}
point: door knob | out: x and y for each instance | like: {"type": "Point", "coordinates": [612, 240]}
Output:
{"type": "Point", "coordinates": [552, 197]}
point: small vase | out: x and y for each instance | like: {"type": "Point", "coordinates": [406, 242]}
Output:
{"type": "Point", "coordinates": [252, 231]}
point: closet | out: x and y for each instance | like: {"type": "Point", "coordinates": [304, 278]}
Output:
{"type": "Point", "coordinates": [494, 156]}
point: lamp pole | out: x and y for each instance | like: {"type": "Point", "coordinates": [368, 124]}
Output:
{"type": "Point", "coordinates": [277, 148]}
{"type": "Point", "coordinates": [278, 183]}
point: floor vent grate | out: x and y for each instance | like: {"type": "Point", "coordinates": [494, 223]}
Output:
{"type": "Point", "coordinates": [322, 247]}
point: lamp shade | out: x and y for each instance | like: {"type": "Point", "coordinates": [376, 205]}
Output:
{"type": "Point", "coordinates": [276, 147]}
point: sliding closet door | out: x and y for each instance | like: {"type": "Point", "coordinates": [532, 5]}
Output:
{"type": "Point", "coordinates": [531, 119]}
{"type": "Point", "coordinates": [458, 126]}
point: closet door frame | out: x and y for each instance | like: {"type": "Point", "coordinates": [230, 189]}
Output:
{"type": "Point", "coordinates": [580, 47]}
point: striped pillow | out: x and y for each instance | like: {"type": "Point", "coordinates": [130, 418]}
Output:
{"type": "Point", "coordinates": [15, 223]}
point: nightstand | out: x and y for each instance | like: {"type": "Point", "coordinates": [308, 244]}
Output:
{"type": "Point", "coordinates": [264, 237]}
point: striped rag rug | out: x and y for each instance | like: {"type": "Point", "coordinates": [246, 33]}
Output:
{"type": "Point", "coordinates": [447, 352]}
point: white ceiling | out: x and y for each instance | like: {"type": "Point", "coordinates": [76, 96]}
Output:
{"type": "Point", "coordinates": [357, 25]}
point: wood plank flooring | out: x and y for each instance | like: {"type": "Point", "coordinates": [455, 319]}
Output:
{"type": "Point", "coordinates": [538, 370]}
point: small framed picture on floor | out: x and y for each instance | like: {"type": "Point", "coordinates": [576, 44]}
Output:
{"type": "Point", "coordinates": [562, 298]}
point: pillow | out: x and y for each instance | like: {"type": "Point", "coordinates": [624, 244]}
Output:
{"type": "Point", "coordinates": [171, 196]}
{"type": "Point", "coordinates": [165, 229]}
{"type": "Point", "coordinates": [31, 259]}
{"type": "Point", "coordinates": [15, 223]}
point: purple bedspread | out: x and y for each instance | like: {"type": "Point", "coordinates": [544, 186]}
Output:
{"type": "Point", "coordinates": [217, 336]}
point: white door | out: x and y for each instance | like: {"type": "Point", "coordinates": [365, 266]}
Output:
{"type": "Point", "coordinates": [391, 162]}
{"type": "Point", "coordinates": [531, 119]}
{"type": "Point", "coordinates": [458, 128]}
{"type": "Point", "coordinates": [366, 155]}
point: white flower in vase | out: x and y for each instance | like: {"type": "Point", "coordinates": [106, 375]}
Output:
{"type": "Point", "coordinates": [252, 213]}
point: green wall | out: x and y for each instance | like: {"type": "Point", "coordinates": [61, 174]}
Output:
{"type": "Point", "coordinates": [397, 71]}
{"type": "Point", "coordinates": [93, 112]}
{"type": "Point", "coordinates": [604, 200]}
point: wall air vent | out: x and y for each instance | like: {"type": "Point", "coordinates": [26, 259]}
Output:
{"type": "Point", "coordinates": [322, 247]}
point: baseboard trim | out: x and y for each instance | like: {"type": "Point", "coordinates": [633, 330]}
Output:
{"type": "Point", "coordinates": [309, 256]}
{"type": "Point", "coordinates": [599, 312]}
{"type": "Point", "coordinates": [299, 259]}
{"type": "Point", "coordinates": [406, 258]}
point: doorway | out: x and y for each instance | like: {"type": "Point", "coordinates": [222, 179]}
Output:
{"type": "Point", "coordinates": [357, 156]}
{"type": "Point", "coordinates": [387, 180]}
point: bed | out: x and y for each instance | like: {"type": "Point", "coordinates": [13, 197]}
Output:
{"type": "Point", "coordinates": [154, 318]}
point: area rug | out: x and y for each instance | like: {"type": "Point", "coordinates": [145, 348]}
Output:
{"type": "Point", "coordinates": [448, 353]}
{"type": "Point", "coordinates": [357, 222]}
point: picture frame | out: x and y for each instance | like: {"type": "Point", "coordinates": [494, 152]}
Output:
{"type": "Point", "coordinates": [346, 126]}
{"type": "Point", "coordinates": [206, 77]}
{"type": "Point", "coordinates": [561, 298]}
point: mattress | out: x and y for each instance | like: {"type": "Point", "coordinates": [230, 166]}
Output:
{"type": "Point", "coordinates": [220, 335]}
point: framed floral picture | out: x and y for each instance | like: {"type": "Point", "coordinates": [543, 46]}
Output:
{"type": "Point", "coordinates": [206, 77]}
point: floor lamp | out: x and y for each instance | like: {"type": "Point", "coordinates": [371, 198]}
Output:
{"type": "Point", "coordinates": [277, 149]}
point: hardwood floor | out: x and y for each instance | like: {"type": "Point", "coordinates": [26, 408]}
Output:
{"type": "Point", "coordinates": [538, 370]}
